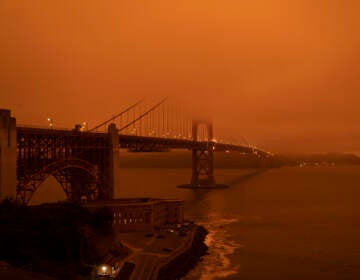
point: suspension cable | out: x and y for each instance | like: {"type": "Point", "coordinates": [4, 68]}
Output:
{"type": "Point", "coordinates": [114, 117]}
{"type": "Point", "coordinates": [143, 115]}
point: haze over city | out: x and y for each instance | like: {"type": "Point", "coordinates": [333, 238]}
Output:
{"type": "Point", "coordinates": [282, 74]}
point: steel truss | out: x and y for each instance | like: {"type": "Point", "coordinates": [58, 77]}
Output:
{"type": "Point", "coordinates": [79, 162]}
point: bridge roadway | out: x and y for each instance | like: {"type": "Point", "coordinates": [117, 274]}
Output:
{"type": "Point", "coordinates": [128, 141]}
{"type": "Point", "coordinates": [84, 162]}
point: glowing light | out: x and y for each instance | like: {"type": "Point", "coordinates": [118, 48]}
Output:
{"type": "Point", "coordinates": [51, 122]}
{"type": "Point", "coordinates": [83, 126]}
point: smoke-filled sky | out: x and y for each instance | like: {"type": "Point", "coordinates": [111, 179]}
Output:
{"type": "Point", "coordinates": [282, 74]}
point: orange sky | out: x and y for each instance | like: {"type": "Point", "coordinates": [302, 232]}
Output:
{"type": "Point", "coordinates": [283, 74]}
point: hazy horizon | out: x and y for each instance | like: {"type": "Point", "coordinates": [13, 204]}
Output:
{"type": "Point", "coordinates": [282, 74]}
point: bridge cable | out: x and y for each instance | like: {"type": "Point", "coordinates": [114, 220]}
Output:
{"type": "Point", "coordinates": [143, 114]}
{"type": "Point", "coordinates": [120, 114]}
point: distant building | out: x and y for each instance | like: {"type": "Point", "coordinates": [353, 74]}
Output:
{"type": "Point", "coordinates": [142, 214]}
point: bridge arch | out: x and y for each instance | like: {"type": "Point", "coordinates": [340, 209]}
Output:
{"type": "Point", "coordinates": [77, 177]}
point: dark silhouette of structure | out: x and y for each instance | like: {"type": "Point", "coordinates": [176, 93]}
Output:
{"type": "Point", "coordinates": [85, 162]}
{"type": "Point", "coordinates": [203, 157]}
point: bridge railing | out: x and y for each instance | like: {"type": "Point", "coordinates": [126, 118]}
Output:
{"type": "Point", "coordinates": [55, 129]}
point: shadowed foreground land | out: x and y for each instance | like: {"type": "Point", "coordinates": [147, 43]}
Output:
{"type": "Point", "coordinates": [59, 240]}
{"type": "Point", "coordinates": [66, 241]}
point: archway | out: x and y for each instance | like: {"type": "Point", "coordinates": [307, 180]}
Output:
{"type": "Point", "coordinates": [78, 178]}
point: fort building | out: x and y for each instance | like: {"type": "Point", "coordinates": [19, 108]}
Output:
{"type": "Point", "coordinates": [141, 214]}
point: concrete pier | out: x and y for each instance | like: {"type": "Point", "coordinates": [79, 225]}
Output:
{"type": "Point", "coordinates": [8, 145]}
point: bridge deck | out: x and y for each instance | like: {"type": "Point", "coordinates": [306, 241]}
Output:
{"type": "Point", "coordinates": [127, 140]}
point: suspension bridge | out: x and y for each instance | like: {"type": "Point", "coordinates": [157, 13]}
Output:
{"type": "Point", "coordinates": [86, 161]}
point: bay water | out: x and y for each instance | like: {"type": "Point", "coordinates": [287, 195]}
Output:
{"type": "Point", "coordinates": [283, 223]}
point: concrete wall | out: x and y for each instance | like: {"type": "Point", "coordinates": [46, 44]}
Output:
{"type": "Point", "coordinates": [142, 216]}
{"type": "Point", "coordinates": [8, 144]}
{"type": "Point", "coordinates": [132, 218]}
{"type": "Point", "coordinates": [168, 212]}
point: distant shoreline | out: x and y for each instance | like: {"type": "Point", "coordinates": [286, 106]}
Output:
{"type": "Point", "coordinates": [182, 159]}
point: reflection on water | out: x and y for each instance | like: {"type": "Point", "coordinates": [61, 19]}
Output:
{"type": "Point", "coordinates": [289, 223]}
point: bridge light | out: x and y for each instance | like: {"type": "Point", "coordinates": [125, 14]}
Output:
{"type": "Point", "coordinates": [133, 130]}
{"type": "Point", "coordinates": [84, 126]}
{"type": "Point", "coordinates": [51, 122]}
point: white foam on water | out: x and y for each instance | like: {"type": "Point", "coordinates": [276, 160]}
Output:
{"type": "Point", "coordinates": [217, 264]}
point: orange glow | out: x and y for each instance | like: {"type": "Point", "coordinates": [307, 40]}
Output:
{"type": "Point", "coordinates": [284, 74]}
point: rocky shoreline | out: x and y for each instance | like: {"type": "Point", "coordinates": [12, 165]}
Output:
{"type": "Point", "coordinates": [186, 260]}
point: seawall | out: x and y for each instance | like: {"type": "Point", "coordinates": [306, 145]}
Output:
{"type": "Point", "coordinates": [183, 260]}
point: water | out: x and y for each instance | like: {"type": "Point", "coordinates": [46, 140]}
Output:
{"type": "Point", "coordinates": [288, 223]}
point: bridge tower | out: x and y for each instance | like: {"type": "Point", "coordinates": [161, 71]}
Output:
{"type": "Point", "coordinates": [7, 155]}
{"type": "Point", "coordinates": [202, 158]}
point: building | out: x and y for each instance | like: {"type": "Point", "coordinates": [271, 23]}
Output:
{"type": "Point", "coordinates": [142, 214]}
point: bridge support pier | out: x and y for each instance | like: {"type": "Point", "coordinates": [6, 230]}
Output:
{"type": "Point", "coordinates": [113, 167]}
{"type": "Point", "coordinates": [203, 160]}
{"type": "Point", "coordinates": [7, 155]}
